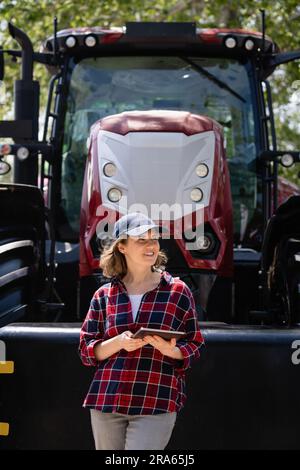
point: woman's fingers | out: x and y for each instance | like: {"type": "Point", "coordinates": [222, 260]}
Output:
{"type": "Point", "coordinates": [135, 343]}
{"type": "Point", "coordinates": [157, 342]}
{"type": "Point", "coordinates": [128, 333]}
{"type": "Point", "coordinates": [158, 338]}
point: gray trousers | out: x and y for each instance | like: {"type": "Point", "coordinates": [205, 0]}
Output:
{"type": "Point", "coordinates": [116, 431]}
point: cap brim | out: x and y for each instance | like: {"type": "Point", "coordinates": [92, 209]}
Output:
{"type": "Point", "coordinates": [135, 232]}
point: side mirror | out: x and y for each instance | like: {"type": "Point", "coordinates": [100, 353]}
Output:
{"type": "Point", "coordinates": [1, 64]}
{"type": "Point", "coordinates": [282, 58]}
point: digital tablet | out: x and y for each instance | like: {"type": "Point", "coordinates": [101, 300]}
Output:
{"type": "Point", "coordinates": [166, 334]}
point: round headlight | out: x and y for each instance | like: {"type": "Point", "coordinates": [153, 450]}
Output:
{"type": "Point", "coordinates": [202, 170]}
{"type": "Point", "coordinates": [203, 243]}
{"type": "Point", "coordinates": [114, 195]}
{"type": "Point", "coordinates": [109, 169]}
{"type": "Point", "coordinates": [4, 167]}
{"type": "Point", "coordinates": [196, 195]}
{"type": "Point", "coordinates": [230, 42]}
{"type": "Point", "coordinates": [5, 149]}
{"type": "Point", "coordinates": [287, 160]}
{"type": "Point", "coordinates": [249, 44]}
{"type": "Point", "coordinates": [103, 240]}
{"type": "Point", "coordinates": [90, 41]}
{"type": "Point", "coordinates": [22, 153]}
{"type": "Point", "coordinates": [70, 41]}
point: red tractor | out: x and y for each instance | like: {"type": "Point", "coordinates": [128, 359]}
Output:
{"type": "Point", "coordinates": [186, 186]}
{"type": "Point", "coordinates": [177, 122]}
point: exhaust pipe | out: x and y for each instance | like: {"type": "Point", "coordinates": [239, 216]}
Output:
{"type": "Point", "coordinates": [26, 94]}
{"type": "Point", "coordinates": [27, 51]}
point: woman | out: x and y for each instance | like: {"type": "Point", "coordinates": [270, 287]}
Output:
{"type": "Point", "coordinates": [139, 384]}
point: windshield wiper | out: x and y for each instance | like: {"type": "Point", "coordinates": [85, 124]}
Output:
{"type": "Point", "coordinates": [212, 78]}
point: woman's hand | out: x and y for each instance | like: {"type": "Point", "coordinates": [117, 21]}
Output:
{"type": "Point", "coordinates": [166, 347]}
{"type": "Point", "coordinates": [128, 343]}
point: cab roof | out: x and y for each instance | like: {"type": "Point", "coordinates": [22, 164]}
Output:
{"type": "Point", "coordinates": [147, 34]}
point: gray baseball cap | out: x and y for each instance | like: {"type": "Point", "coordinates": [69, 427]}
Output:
{"type": "Point", "coordinates": [134, 224]}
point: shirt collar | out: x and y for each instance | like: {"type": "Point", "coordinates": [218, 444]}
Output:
{"type": "Point", "coordinates": [165, 280]}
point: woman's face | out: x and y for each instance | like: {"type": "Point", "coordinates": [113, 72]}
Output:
{"type": "Point", "coordinates": [142, 250]}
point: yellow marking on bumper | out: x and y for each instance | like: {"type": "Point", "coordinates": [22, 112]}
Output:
{"type": "Point", "coordinates": [7, 367]}
{"type": "Point", "coordinates": [4, 429]}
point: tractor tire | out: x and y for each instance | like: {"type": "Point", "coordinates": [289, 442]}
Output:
{"type": "Point", "coordinates": [21, 252]}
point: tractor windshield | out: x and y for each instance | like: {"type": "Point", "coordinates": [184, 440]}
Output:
{"type": "Point", "coordinates": [216, 87]}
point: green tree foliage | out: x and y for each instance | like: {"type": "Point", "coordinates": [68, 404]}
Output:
{"type": "Point", "coordinates": [282, 20]}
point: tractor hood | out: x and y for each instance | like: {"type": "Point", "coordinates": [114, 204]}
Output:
{"type": "Point", "coordinates": [150, 148]}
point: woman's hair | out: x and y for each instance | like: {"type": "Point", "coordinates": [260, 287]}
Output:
{"type": "Point", "coordinates": [113, 262]}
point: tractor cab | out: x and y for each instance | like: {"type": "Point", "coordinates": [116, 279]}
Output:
{"type": "Point", "coordinates": [162, 113]}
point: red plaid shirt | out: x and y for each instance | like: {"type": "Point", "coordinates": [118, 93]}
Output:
{"type": "Point", "coordinates": [143, 381]}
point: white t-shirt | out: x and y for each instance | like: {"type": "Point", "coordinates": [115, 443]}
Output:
{"type": "Point", "coordinates": [135, 300]}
